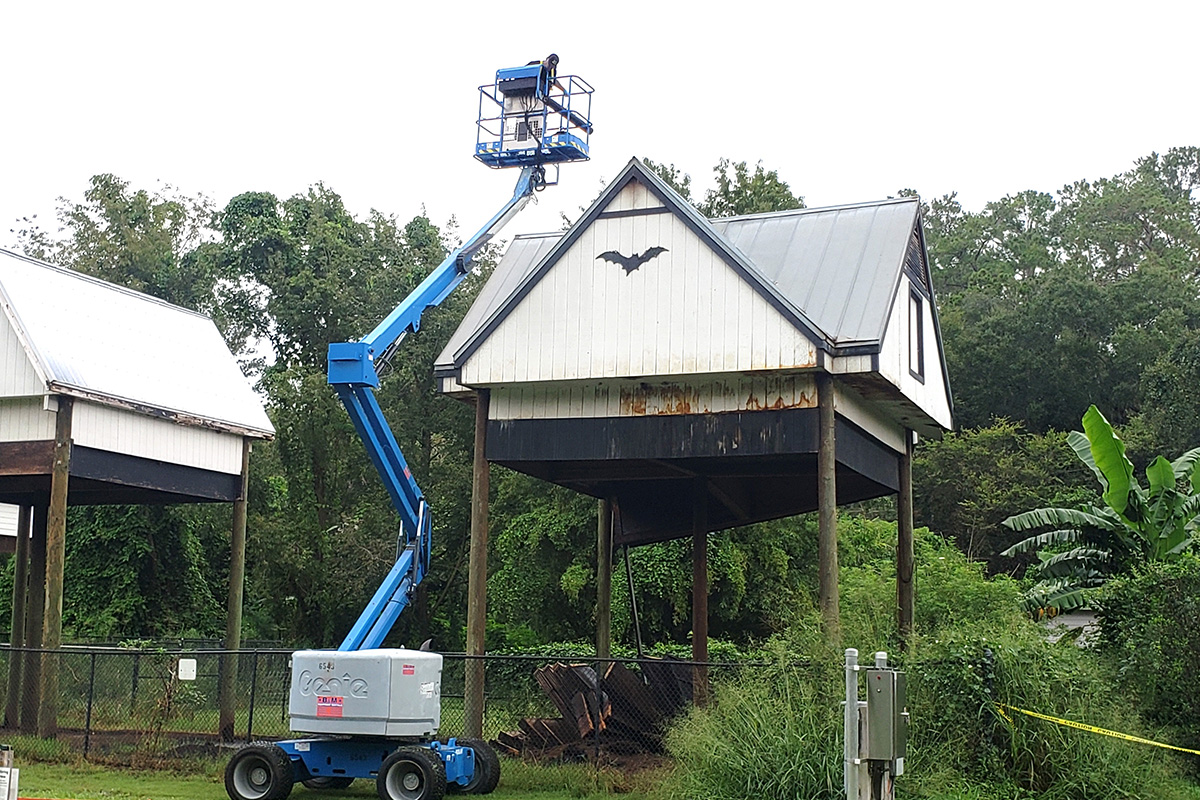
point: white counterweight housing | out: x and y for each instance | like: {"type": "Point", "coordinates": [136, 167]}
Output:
{"type": "Point", "coordinates": [393, 692]}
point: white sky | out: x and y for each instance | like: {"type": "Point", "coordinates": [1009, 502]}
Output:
{"type": "Point", "coordinates": [847, 101]}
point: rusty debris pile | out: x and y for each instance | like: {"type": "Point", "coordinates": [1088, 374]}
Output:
{"type": "Point", "coordinates": [622, 712]}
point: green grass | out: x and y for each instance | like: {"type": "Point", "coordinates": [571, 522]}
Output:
{"type": "Point", "coordinates": [204, 781]}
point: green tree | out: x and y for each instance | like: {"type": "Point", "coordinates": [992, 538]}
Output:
{"type": "Point", "coordinates": [966, 484]}
{"type": "Point", "coordinates": [1081, 549]}
{"type": "Point", "coordinates": [739, 189]}
{"type": "Point", "coordinates": [1086, 290]}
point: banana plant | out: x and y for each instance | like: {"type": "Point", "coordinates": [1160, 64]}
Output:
{"type": "Point", "coordinates": [1080, 549]}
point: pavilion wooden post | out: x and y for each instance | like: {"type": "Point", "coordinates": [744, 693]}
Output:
{"type": "Point", "coordinates": [227, 691]}
{"type": "Point", "coordinates": [12, 698]}
{"type": "Point", "coordinates": [477, 574]}
{"type": "Point", "coordinates": [827, 554]}
{"type": "Point", "coordinates": [905, 589]}
{"type": "Point", "coordinates": [604, 560]}
{"type": "Point", "coordinates": [700, 591]}
{"type": "Point", "coordinates": [34, 612]}
{"type": "Point", "coordinates": [56, 552]}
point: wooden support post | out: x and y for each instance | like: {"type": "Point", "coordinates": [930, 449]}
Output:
{"type": "Point", "coordinates": [700, 590]}
{"type": "Point", "coordinates": [227, 691]}
{"type": "Point", "coordinates": [56, 553]}
{"type": "Point", "coordinates": [35, 606]}
{"type": "Point", "coordinates": [604, 561]}
{"type": "Point", "coordinates": [12, 698]}
{"type": "Point", "coordinates": [827, 554]}
{"type": "Point", "coordinates": [905, 589]}
{"type": "Point", "coordinates": [477, 573]}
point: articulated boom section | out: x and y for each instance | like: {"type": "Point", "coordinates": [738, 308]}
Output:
{"type": "Point", "coordinates": [352, 374]}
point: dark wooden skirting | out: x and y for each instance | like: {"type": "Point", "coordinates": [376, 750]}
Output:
{"type": "Point", "coordinates": [759, 465]}
{"type": "Point", "coordinates": [26, 458]}
{"type": "Point", "coordinates": [99, 477]}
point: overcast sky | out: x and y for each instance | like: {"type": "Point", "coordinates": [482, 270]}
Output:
{"type": "Point", "coordinates": [847, 101]}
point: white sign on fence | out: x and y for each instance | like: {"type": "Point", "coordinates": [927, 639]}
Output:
{"type": "Point", "coordinates": [8, 782]}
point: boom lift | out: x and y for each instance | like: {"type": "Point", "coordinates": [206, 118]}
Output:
{"type": "Point", "coordinates": [372, 712]}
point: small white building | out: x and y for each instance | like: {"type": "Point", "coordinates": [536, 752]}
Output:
{"type": "Point", "coordinates": [160, 407]}
{"type": "Point", "coordinates": [108, 396]}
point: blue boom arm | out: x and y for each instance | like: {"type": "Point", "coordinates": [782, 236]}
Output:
{"type": "Point", "coordinates": [352, 374]}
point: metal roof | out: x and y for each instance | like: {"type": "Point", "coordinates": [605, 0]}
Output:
{"type": "Point", "coordinates": [839, 264]}
{"type": "Point", "coordinates": [92, 339]}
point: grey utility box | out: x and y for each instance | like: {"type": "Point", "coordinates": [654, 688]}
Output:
{"type": "Point", "coordinates": [887, 717]}
{"type": "Point", "coordinates": [371, 692]}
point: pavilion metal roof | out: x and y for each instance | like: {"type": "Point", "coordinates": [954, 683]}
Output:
{"type": "Point", "coordinates": [92, 339]}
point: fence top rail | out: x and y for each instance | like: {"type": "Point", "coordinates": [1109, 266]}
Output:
{"type": "Point", "coordinates": [545, 659]}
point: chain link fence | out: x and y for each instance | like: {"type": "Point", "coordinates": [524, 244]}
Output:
{"type": "Point", "coordinates": [118, 704]}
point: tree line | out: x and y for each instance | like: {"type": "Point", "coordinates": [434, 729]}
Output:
{"type": "Point", "coordinates": [1049, 302]}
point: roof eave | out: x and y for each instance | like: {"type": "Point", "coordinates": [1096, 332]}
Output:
{"type": "Point", "coordinates": [168, 414]}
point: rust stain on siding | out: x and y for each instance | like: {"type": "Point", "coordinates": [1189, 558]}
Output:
{"type": "Point", "coordinates": [774, 401]}
{"type": "Point", "coordinates": [644, 399]}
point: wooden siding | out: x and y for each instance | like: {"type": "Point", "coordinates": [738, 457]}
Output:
{"type": "Point", "coordinates": [684, 312]}
{"type": "Point", "coordinates": [25, 421]}
{"type": "Point", "coordinates": [130, 433]}
{"type": "Point", "coordinates": [8, 520]}
{"type": "Point", "coordinates": [634, 196]}
{"type": "Point", "coordinates": [637, 398]}
{"type": "Point", "coordinates": [17, 376]}
{"type": "Point", "coordinates": [929, 393]}
{"type": "Point", "coordinates": [868, 416]}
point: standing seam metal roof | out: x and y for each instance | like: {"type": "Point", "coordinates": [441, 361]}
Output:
{"type": "Point", "coordinates": [92, 338]}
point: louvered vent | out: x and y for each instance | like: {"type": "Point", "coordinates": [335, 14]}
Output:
{"type": "Point", "coordinates": [914, 261]}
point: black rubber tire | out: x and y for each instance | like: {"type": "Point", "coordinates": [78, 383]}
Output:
{"type": "Point", "coordinates": [487, 769]}
{"type": "Point", "coordinates": [411, 773]}
{"type": "Point", "coordinates": [328, 782]}
{"type": "Point", "coordinates": [259, 771]}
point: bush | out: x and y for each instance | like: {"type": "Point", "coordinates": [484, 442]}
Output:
{"type": "Point", "coordinates": [1148, 627]}
{"type": "Point", "coordinates": [776, 732]}
{"type": "Point", "coordinates": [958, 733]}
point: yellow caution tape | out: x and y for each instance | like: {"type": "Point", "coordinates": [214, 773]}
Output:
{"type": "Point", "coordinates": [1092, 728]}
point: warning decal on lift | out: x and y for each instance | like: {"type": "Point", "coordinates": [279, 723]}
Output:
{"type": "Point", "coordinates": [329, 706]}
{"type": "Point", "coordinates": [408, 669]}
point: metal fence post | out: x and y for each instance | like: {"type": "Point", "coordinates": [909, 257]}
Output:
{"type": "Point", "coordinates": [850, 752]}
{"type": "Point", "coordinates": [133, 684]}
{"type": "Point", "coordinates": [253, 692]}
{"type": "Point", "coordinates": [87, 724]}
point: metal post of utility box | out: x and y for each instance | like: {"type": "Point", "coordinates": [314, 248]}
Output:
{"type": "Point", "coordinates": [876, 730]}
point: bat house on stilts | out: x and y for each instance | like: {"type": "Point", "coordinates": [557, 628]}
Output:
{"type": "Point", "coordinates": [710, 373]}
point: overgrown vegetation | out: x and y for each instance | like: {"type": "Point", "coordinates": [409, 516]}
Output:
{"type": "Point", "coordinates": [776, 732]}
{"type": "Point", "coordinates": [1148, 628]}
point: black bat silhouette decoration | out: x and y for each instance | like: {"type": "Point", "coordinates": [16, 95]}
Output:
{"type": "Point", "coordinates": [630, 263]}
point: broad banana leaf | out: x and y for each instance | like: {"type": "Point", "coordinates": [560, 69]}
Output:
{"type": "Point", "coordinates": [1161, 476]}
{"type": "Point", "coordinates": [1062, 518]}
{"type": "Point", "coordinates": [1083, 451]}
{"type": "Point", "coordinates": [1079, 562]}
{"type": "Point", "coordinates": [1035, 543]}
{"type": "Point", "coordinates": [1061, 595]}
{"type": "Point", "coordinates": [1108, 452]}
{"type": "Point", "coordinates": [1185, 467]}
